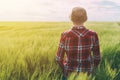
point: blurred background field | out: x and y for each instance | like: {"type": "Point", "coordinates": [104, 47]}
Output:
{"type": "Point", "coordinates": [28, 50]}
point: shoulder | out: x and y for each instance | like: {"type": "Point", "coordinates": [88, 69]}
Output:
{"type": "Point", "coordinates": [92, 32]}
{"type": "Point", "coordinates": [66, 32]}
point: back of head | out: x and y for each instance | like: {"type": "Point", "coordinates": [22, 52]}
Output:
{"type": "Point", "coordinates": [78, 15]}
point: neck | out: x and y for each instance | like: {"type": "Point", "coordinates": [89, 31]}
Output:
{"type": "Point", "coordinates": [78, 24]}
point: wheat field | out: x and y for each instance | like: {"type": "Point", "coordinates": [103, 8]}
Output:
{"type": "Point", "coordinates": [28, 50]}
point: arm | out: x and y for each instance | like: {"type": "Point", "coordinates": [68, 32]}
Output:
{"type": "Point", "coordinates": [96, 50]}
{"type": "Point", "coordinates": [61, 51]}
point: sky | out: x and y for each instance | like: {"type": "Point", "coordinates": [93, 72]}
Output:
{"type": "Point", "coordinates": [58, 10]}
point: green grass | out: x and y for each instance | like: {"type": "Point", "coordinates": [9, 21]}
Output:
{"type": "Point", "coordinates": [28, 50]}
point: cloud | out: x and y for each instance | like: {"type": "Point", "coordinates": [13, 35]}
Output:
{"type": "Point", "coordinates": [104, 3]}
{"type": "Point", "coordinates": [57, 10]}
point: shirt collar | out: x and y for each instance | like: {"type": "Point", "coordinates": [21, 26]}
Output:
{"type": "Point", "coordinates": [79, 27]}
{"type": "Point", "coordinates": [83, 31]}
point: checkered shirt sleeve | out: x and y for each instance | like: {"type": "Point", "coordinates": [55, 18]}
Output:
{"type": "Point", "coordinates": [61, 51]}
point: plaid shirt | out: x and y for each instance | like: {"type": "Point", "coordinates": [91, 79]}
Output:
{"type": "Point", "coordinates": [82, 50]}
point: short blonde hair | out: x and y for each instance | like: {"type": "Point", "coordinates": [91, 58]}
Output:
{"type": "Point", "coordinates": [78, 15]}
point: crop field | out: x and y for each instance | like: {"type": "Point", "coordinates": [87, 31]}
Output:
{"type": "Point", "coordinates": [28, 50]}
